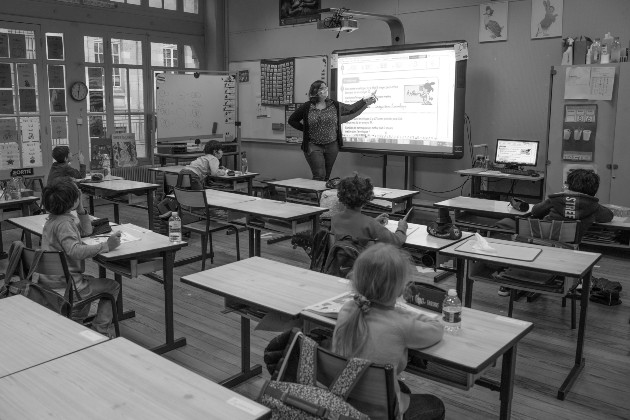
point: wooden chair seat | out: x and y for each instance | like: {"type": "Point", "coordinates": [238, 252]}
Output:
{"type": "Point", "coordinates": [201, 226]}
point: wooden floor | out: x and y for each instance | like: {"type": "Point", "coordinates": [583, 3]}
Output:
{"type": "Point", "coordinates": [544, 356]}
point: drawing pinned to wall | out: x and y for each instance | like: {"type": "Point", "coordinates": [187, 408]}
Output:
{"type": "Point", "coordinates": [124, 147]}
{"type": "Point", "coordinates": [8, 129]}
{"type": "Point", "coordinates": [59, 130]}
{"type": "Point", "coordinates": [29, 127]}
{"type": "Point", "coordinates": [294, 12]}
{"type": "Point", "coordinates": [99, 148]}
{"type": "Point", "coordinates": [493, 20]}
{"type": "Point", "coordinates": [546, 18]}
{"type": "Point", "coordinates": [26, 75]}
{"type": "Point", "coordinates": [9, 155]}
{"type": "Point", "coordinates": [32, 154]}
{"type": "Point", "coordinates": [243, 76]}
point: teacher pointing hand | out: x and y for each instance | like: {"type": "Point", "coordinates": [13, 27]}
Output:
{"type": "Point", "coordinates": [320, 120]}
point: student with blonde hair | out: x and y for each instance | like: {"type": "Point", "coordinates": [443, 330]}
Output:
{"type": "Point", "coordinates": [372, 327]}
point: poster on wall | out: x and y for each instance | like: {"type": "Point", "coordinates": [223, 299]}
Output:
{"type": "Point", "coordinates": [546, 18]}
{"type": "Point", "coordinates": [9, 155]}
{"type": "Point", "coordinates": [32, 154]}
{"type": "Point", "coordinates": [29, 127]}
{"type": "Point", "coordinates": [578, 132]}
{"type": "Point", "coordinates": [5, 76]}
{"type": "Point", "coordinates": [493, 20]}
{"type": "Point", "coordinates": [276, 81]}
{"type": "Point", "coordinates": [587, 82]}
{"type": "Point", "coordinates": [100, 147]}
{"type": "Point", "coordinates": [124, 148]}
{"type": "Point", "coordinates": [6, 102]}
{"type": "Point", "coordinates": [296, 12]}
{"type": "Point", "coordinates": [8, 129]}
{"type": "Point", "coordinates": [26, 75]}
{"type": "Point", "coordinates": [59, 130]}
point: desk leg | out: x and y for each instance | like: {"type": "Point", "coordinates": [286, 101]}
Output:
{"type": "Point", "coordinates": [246, 372]}
{"type": "Point", "coordinates": [26, 211]}
{"type": "Point", "coordinates": [116, 213]}
{"type": "Point", "coordinates": [507, 383]}
{"type": "Point", "coordinates": [257, 242]}
{"type": "Point", "coordinates": [250, 186]}
{"type": "Point", "coordinates": [462, 277]}
{"type": "Point", "coordinates": [580, 361]}
{"type": "Point", "coordinates": [122, 315]}
{"type": "Point", "coordinates": [252, 251]}
{"type": "Point", "coordinates": [91, 201]}
{"type": "Point", "coordinates": [171, 343]}
{"type": "Point", "coordinates": [150, 199]}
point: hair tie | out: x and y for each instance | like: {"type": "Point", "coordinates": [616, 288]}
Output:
{"type": "Point", "coordinates": [362, 302]}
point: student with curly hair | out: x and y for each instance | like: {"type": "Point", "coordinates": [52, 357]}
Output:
{"type": "Point", "coordinates": [371, 326]}
{"type": "Point", "coordinates": [354, 192]}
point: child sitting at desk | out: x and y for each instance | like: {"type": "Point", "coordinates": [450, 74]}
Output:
{"type": "Point", "coordinates": [197, 171]}
{"type": "Point", "coordinates": [61, 167]}
{"type": "Point", "coordinates": [576, 202]}
{"type": "Point", "coordinates": [62, 232]}
{"type": "Point", "coordinates": [354, 192]}
{"type": "Point", "coordinates": [371, 326]}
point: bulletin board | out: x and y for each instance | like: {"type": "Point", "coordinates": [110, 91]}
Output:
{"type": "Point", "coordinates": [190, 106]}
{"type": "Point", "coordinates": [263, 121]}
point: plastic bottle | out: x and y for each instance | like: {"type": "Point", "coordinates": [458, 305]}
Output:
{"type": "Point", "coordinates": [13, 189]}
{"type": "Point", "coordinates": [106, 165]}
{"type": "Point", "coordinates": [615, 51]}
{"type": "Point", "coordinates": [606, 44]}
{"type": "Point", "coordinates": [596, 49]}
{"type": "Point", "coordinates": [244, 165]}
{"type": "Point", "coordinates": [452, 312]}
{"type": "Point", "coordinates": [175, 228]}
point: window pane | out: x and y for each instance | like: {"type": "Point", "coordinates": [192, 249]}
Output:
{"type": "Point", "coordinates": [59, 131]}
{"type": "Point", "coordinates": [93, 49]}
{"type": "Point", "coordinates": [136, 90]}
{"type": "Point", "coordinates": [27, 87]}
{"type": "Point", "coordinates": [134, 2]}
{"type": "Point", "coordinates": [54, 46]}
{"type": "Point", "coordinates": [191, 6]}
{"type": "Point", "coordinates": [95, 78]}
{"type": "Point", "coordinates": [155, 3]}
{"type": "Point", "coordinates": [163, 55]}
{"type": "Point", "coordinates": [131, 124]}
{"type": "Point", "coordinates": [8, 129]}
{"type": "Point", "coordinates": [17, 44]}
{"type": "Point", "coordinates": [130, 52]}
{"type": "Point", "coordinates": [190, 58]}
{"type": "Point", "coordinates": [170, 4]}
{"type": "Point", "coordinates": [57, 88]}
{"type": "Point", "coordinates": [31, 141]}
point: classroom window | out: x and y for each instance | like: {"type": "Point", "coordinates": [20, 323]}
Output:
{"type": "Point", "coordinates": [191, 61]}
{"type": "Point", "coordinates": [170, 57]}
{"type": "Point", "coordinates": [164, 54]}
{"type": "Point", "coordinates": [20, 131]}
{"type": "Point", "coordinates": [93, 49]}
{"type": "Point", "coordinates": [191, 6]}
{"type": "Point", "coordinates": [57, 88]}
{"type": "Point", "coordinates": [54, 47]}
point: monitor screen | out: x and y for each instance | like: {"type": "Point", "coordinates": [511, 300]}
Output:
{"type": "Point", "coordinates": [420, 91]}
{"type": "Point", "coordinates": [517, 152]}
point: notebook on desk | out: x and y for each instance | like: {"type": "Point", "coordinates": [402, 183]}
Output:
{"type": "Point", "coordinates": [510, 252]}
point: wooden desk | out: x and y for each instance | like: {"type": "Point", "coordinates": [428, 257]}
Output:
{"type": "Point", "coordinates": [267, 284]}
{"type": "Point", "coordinates": [32, 334]}
{"type": "Point", "coordinates": [236, 178]}
{"type": "Point", "coordinates": [477, 173]}
{"type": "Point", "coordinates": [163, 157]}
{"type": "Point", "coordinates": [277, 210]}
{"type": "Point", "coordinates": [24, 203]}
{"type": "Point", "coordinates": [558, 261]}
{"type": "Point", "coordinates": [111, 188]}
{"type": "Point", "coordinates": [317, 187]}
{"type": "Point", "coordinates": [119, 380]}
{"type": "Point", "coordinates": [490, 211]}
{"type": "Point", "coordinates": [149, 246]}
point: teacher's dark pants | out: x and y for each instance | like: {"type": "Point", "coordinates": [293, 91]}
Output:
{"type": "Point", "coordinates": [321, 158]}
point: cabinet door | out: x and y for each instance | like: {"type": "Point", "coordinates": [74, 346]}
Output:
{"type": "Point", "coordinates": [619, 189]}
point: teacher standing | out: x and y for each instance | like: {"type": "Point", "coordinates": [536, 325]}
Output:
{"type": "Point", "coordinates": [320, 120]}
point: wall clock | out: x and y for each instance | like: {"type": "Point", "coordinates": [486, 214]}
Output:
{"type": "Point", "coordinates": [78, 91]}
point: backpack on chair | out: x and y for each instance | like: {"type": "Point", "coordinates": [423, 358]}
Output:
{"type": "Point", "coordinates": [304, 399]}
{"type": "Point", "coordinates": [342, 255]}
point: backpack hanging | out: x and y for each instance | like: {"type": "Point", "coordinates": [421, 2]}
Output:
{"type": "Point", "coordinates": [305, 400]}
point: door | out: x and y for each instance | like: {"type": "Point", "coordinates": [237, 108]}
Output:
{"type": "Point", "coordinates": [619, 164]}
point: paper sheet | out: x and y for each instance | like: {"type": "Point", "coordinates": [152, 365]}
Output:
{"type": "Point", "coordinates": [392, 225]}
{"type": "Point", "coordinates": [593, 83]}
{"type": "Point", "coordinates": [99, 239]}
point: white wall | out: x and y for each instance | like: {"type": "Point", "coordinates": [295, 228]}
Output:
{"type": "Point", "coordinates": [507, 82]}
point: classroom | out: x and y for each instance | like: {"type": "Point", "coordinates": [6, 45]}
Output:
{"type": "Point", "coordinates": [465, 115]}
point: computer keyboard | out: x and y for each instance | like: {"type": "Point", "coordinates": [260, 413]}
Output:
{"type": "Point", "coordinates": [511, 171]}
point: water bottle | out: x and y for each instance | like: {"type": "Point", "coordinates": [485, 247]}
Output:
{"type": "Point", "coordinates": [615, 51]}
{"type": "Point", "coordinates": [175, 228]}
{"type": "Point", "coordinates": [596, 49]}
{"type": "Point", "coordinates": [244, 166]}
{"type": "Point", "coordinates": [13, 189]}
{"type": "Point", "coordinates": [606, 44]}
{"type": "Point", "coordinates": [106, 165]}
{"type": "Point", "coordinates": [452, 312]}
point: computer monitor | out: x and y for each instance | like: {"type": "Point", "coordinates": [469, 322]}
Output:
{"type": "Point", "coordinates": [515, 153]}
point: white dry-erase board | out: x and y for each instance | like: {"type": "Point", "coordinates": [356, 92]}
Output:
{"type": "Point", "coordinates": [257, 120]}
{"type": "Point", "coordinates": [195, 107]}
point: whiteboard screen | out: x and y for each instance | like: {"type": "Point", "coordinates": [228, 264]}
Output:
{"type": "Point", "coordinates": [257, 119]}
{"type": "Point", "coordinates": [195, 107]}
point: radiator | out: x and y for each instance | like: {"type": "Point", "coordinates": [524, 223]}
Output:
{"type": "Point", "coordinates": [135, 173]}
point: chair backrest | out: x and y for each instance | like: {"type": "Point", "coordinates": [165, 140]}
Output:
{"type": "Point", "coordinates": [192, 199]}
{"type": "Point", "coordinates": [176, 180]}
{"type": "Point", "coordinates": [51, 263]}
{"type": "Point", "coordinates": [567, 232]}
{"type": "Point", "coordinates": [374, 394]}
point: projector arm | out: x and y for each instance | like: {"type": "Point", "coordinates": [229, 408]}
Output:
{"type": "Point", "coordinates": [395, 25]}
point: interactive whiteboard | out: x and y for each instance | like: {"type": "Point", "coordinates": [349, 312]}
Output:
{"type": "Point", "coordinates": [195, 106]}
{"type": "Point", "coordinates": [258, 121]}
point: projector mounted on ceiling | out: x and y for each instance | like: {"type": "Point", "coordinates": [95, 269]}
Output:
{"type": "Point", "coordinates": [341, 25]}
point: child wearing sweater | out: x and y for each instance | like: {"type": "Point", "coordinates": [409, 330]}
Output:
{"type": "Point", "coordinates": [372, 327]}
